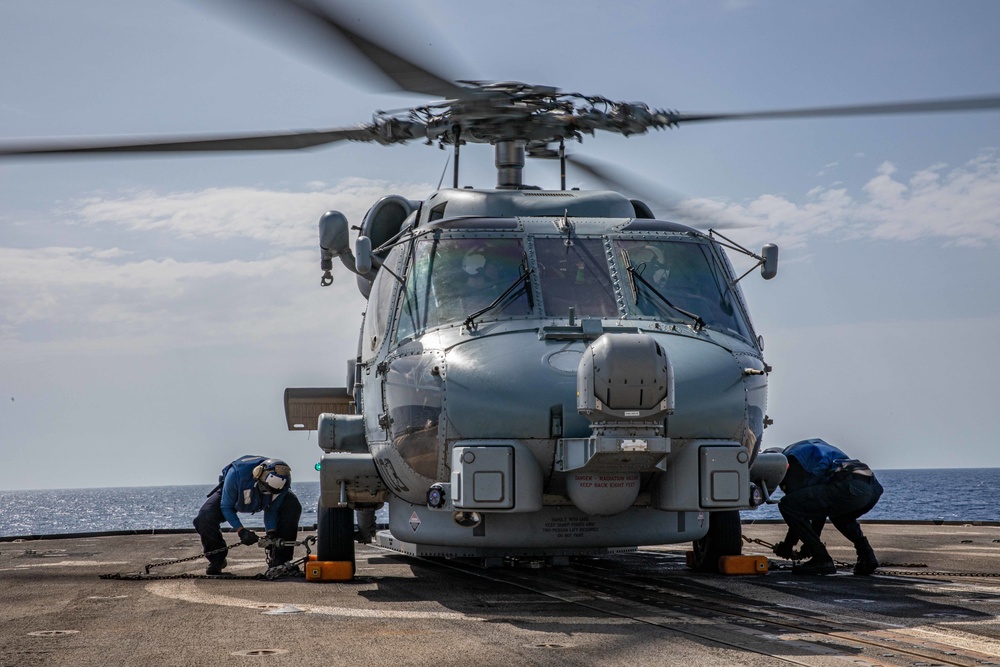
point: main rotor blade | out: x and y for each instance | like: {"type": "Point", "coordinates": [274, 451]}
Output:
{"type": "Point", "coordinates": [218, 143]}
{"type": "Point", "coordinates": [405, 73]}
{"type": "Point", "coordinates": [925, 106]}
{"type": "Point", "coordinates": [659, 198]}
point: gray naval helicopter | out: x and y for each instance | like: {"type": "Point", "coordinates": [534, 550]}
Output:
{"type": "Point", "coordinates": [539, 373]}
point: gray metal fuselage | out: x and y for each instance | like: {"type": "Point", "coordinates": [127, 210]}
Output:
{"type": "Point", "coordinates": [475, 392]}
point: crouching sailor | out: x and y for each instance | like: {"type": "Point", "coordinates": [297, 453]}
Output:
{"type": "Point", "coordinates": [823, 482]}
{"type": "Point", "coordinates": [250, 484]}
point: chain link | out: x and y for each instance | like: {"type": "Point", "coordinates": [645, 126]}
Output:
{"type": "Point", "coordinates": [289, 569]}
{"type": "Point", "coordinates": [883, 566]}
{"type": "Point", "coordinates": [149, 566]}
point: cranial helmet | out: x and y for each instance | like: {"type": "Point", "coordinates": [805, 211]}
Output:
{"type": "Point", "coordinates": [272, 476]}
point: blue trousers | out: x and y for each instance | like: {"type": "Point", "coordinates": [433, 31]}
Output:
{"type": "Point", "coordinates": [210, 518]}
{"type": "Point", "coordinates": [843, 500]}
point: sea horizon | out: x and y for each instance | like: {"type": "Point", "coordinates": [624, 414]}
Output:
{"type": "Point", "coordinates": [316, 481]}
{"type": "Point", "coordinates": [911, 494]}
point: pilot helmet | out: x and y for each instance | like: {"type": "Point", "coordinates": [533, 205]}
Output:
{"type": "Point", "coordinates": [473, 262]}
{"type": "Point", "coordinates": [646, 253]}
{"type": "Point", "coordinates": [272, 476]}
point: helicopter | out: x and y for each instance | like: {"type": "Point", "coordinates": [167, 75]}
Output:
{"type": "Point", "coordinates": [539, 373]}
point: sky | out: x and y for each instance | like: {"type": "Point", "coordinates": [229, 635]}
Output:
{"type": "Point", "coordinates": [153, 309]}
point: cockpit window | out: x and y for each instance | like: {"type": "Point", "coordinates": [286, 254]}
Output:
{"type": "Point", "coordinates": [575, 275]}
{"type": "Point", "coordinates": [680, 279]}
{"type": "Point", "coordinates": [449, 279]}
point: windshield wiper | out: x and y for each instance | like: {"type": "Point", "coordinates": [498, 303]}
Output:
{"type": "Point", "coordinates": [523, 278]}
{"type": "Point", "coordinates": [527, 283]}
{"type": "Point", "coordinates": [634, 275]}
{"type": "Point", "coordinates": [628, 271]}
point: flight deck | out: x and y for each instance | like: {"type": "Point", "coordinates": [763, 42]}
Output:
{"type": "Point", "coordinates": [936, 601]}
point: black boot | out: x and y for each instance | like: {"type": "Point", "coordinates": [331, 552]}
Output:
{"type": "Point", "coordinates": [816, 565]}
{"type": "Point", "coordinates": [867, 563]}
{"type": "Point", "coordinates": [820, 563]}
{"type": "Point", "coordinates": [216, 566]}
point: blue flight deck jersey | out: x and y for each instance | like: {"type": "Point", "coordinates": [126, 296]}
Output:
{"type": "Point", "coordinates": [817, 457]}
{"type": "Point", "coordinates": [240, 494]}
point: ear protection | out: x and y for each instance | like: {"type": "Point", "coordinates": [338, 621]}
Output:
{"type": "Point", "coordinates": [271, 480]}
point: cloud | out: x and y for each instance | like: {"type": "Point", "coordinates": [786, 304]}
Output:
{"type": "Point", "coordinates": [958, 206]}
{"type": "Point", "coordinates": [283, 219]}
{"type": "Point", "coordinates": [127, 297]}
{"type": "Point", "coordinates": [96, 302]}
{"type": "Point", "coordinates": [136, 294]}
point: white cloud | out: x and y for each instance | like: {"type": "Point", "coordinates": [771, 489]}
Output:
{"type": "Point", "coordinates": [94, 302]}
{"type": "Point", "coordinates": [118, 299]}
{"type": "Point", "coordinates": [280, 218]}
{"type": "Point", "coordinates": [126, 297]}
{"type": "Point", "coordinates": [960, 206]}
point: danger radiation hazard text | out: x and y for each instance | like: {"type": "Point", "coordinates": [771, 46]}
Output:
{"type": "Point", "coordinates": [607, 481]}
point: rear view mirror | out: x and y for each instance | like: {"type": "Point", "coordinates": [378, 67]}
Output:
{"type": "Point", "coordinates": [769, 265]}
{"type": "Point", "coordinates": [363, 255]}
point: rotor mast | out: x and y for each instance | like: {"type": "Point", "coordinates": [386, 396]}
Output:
{"type": "Point", "coordinates": [509, 161]}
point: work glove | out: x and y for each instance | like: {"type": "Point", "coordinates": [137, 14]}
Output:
{"type": "Point", "coordinates": [247, 537]}
{"type": "Point", "coordinates": [802, 553]}
{"type": "Point", "coordinates": [784, 550]}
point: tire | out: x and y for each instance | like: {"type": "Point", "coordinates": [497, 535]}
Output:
{"type": "Point", "coordinates": [724, 538]}
{"type": "Point", "coordinates": [335, 534]}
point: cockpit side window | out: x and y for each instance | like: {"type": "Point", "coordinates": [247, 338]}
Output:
{"type": "Point", "coordinates": [379, 307]}
{"type": "Point", "coordinates": [680, 278]}
{"type": "Point", "coordinates": [449, 279]}
{"type": "Point", "coordinates": [575, 276]}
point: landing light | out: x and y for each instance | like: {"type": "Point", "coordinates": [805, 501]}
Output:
{"type": "Point", "coordinates": [436, 497]}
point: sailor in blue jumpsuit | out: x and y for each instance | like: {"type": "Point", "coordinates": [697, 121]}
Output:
{"type": "Point", "coordinates": [822, 481]}
{"type": "Point", "coordinates": [250, 484]}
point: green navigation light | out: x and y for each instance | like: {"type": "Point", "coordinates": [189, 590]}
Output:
{"type": "Point", "coordinates": [319, 465]}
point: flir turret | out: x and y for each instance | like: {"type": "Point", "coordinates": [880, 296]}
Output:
{"type": "Point", "coordinates": [625, 387]}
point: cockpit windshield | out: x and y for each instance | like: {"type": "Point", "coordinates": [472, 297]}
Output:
{"type": "Point", "coordinates": [575, 275]}
{"type": "Point", "coordinates": [680, 279]}
{"type": "Point", "coordinates": [450, 279]}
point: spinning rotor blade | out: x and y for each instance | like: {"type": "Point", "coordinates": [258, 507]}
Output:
{"type": "Point", "coordinates": [659, 198]}
{"type": "Point", "coordinates": [925, 106]}
{"type": "Point", "coordinates": [403, 72]}
{"type": "Point", "coordinates": [221, 143]}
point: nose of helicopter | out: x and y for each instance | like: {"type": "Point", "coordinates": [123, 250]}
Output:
{"type": "Point", "coordinates": [515, 385]}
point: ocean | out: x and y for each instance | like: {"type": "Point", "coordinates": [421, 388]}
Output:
{"type": "Point", "coordinates": [953, 494]}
